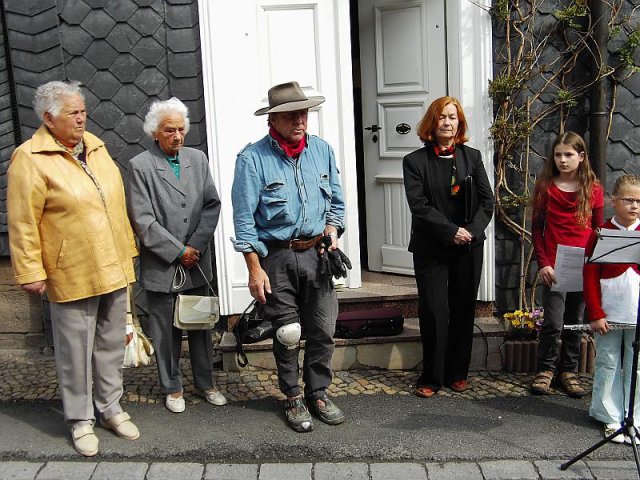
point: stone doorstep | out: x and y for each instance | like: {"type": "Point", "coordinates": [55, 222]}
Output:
{"type": "Point", "coordinates": [398, 352]}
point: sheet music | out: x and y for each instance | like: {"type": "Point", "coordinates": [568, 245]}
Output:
{"type": "Point", "coordinates": [617, 246]}
{"type": "Point", "coordinates": [568, 269]}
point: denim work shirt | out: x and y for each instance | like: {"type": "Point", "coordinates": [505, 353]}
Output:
{"type": "Point", "coordinates": [276, 197]}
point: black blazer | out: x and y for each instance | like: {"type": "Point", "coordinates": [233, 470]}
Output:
{"type": "Point", "coordinates": [432, 230]}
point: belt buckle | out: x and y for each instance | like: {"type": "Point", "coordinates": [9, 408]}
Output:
{"type": "Point", "coordinates": [291, 247]}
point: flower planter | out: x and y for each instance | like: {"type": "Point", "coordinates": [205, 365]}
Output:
{"type": "Point", "coordinates": [520, 355]}
{"type": "Point", "coordinates": [587, 355]}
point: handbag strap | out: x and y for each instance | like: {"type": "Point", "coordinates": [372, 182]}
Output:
{"type": "Point", "coordinates": [205, 279]}
{"type": "Point", "coordinates": [180, 278]}
{"type": "Point", "coordinates": [132, 307]}
{"type": "Point", "coordinates": [239, 331]}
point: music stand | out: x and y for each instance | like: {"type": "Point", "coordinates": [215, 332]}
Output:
{"type": "Point", "coordinates": [619, 246]}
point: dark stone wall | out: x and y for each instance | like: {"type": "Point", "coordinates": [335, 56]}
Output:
{"type": "Point", "coordinates": [127, 53]}
{"type": "Point", "coordinates": [8, 127]}
{"type": "Point", "coordinates": [623, 150]}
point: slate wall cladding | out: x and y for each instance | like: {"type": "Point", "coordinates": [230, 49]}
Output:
{"type": "Point", "coordinates": [127, 53]}
{"type": "Point", "coordinates": [8, 124]}
{"type": "Point", "coordinates": [623, 150]}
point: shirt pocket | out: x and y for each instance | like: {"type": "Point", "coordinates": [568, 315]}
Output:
{"type": "Point", "coordinates": [326, 194]}
{"type": "Point", "coordinates": [274, 204]}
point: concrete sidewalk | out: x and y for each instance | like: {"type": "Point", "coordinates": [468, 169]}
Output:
{"type": "Point", "coordinates": [496, 430]}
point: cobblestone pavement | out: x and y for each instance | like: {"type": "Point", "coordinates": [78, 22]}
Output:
{"type": "Point", "coordinates": [33, 377]}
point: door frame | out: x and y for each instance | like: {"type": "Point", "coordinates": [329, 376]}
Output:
{"type": "Point", "coordinates": [469, 39]}
{"type": "Point", "coordinates": [470, 67]}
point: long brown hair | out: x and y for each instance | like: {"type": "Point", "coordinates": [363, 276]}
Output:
{"type": "Point", "coordinates": [586, 178]}
{"type": "Point", "coordinates": [428, 124]}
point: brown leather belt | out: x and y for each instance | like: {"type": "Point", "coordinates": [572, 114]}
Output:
{"type": "Point", "coordinates": [298, 244]}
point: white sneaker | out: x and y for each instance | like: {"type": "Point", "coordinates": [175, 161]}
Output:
{"type": "Point", "coordinates": [213, 396]}
{"type": "Point", "coordinates": [610, 428]}
{"type": "Point", "coordinates": [175, 405]}
{"type": "Point", "coordinates": [627, 439]}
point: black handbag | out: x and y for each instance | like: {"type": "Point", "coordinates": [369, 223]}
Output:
{"type": "Point", "coordinates": [250, 328]}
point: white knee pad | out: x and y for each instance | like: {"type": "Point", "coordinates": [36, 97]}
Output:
{"type": "Point", "coordinates": [289, 335]}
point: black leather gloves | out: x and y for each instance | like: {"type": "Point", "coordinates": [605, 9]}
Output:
{"type": "Point", "coordinates": [333, 263]}
{"type": "Point", "coordinates": [339, 263]}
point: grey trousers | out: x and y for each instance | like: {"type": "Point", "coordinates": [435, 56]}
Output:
{"type": "Point", "coordinates": [167, 342]}
{"type": "Point", "coordinates": [299, 293]}
{"type": "Point", "coordinates": [560, 308]}
{"type": "Point", "coordinates": [88, 338]}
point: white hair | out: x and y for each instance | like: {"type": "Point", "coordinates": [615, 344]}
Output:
{"type": "Point", "coordinates": [162, 108]}
{"type": "Point", "coordinates": [49, 97]}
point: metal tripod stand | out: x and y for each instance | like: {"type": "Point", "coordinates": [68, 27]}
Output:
{"type": "Point", "coordinates": [627, 426]}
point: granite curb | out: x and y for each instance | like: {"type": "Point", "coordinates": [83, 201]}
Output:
{"type": "Point", "coordinates": [485, 470]}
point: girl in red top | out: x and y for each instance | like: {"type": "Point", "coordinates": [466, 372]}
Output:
{"type": "Point", "coordinates": [611, 292]}
{"type": "Point", "coordinates": [568, 202]}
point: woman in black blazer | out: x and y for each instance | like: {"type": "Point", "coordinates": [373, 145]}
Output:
{"type": "Point", "coordinates": [451, 203]}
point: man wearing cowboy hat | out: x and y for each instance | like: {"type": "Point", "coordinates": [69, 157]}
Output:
{"type": "Point", "coordinates": [286, 196]}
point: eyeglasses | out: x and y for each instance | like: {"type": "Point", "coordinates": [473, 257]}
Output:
{"type": "Point", "coordinates": [630, 201]}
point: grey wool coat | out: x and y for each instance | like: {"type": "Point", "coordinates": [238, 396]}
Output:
{"type": "Point", "coordinates": [168, 213]}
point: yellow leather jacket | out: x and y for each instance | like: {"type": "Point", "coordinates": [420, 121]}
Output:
{"type": "Point", "coordinates": [63, 229]}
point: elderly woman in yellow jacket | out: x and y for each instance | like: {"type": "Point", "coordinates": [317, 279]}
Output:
{"type": "Point", "coordinates": [69, 235]}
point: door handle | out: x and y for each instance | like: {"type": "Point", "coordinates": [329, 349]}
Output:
{"type": "Point", "coordinates": [374, 128]}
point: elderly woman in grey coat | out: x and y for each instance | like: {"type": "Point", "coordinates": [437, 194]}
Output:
{"type": "Point", "coordinates": [174, 207]}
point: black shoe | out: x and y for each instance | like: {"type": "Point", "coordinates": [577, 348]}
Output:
{"type": "Point", "coordinates": [298, 416]}
{"type": "Point", "coordinates": [329, 414]}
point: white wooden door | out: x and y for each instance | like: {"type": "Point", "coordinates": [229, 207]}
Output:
{"type": "Point", "coordinates": [247, 47]}
{"type": "Point", "coordinates": [403, 65]}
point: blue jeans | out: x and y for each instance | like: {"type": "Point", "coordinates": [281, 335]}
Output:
{"type": "Point", "coordinates": [612, 378]}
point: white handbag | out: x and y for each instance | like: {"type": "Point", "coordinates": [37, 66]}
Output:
{"type": "Point", "coordinates": [137, 349]}
{"type": "Point", "coordinates": [195, 312]}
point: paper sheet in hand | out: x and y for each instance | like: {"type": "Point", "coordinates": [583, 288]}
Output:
{"type": "Point", "coordinates": [568, 269]}
{"type": "Point", "coordinates": [617, 246]}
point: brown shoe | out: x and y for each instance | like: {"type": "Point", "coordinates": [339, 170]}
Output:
{"type": "Point", "coordinates": [542, 382]}
{"type": "Point", "coordinates": [570, 384]}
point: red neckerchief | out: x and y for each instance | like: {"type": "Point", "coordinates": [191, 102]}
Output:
{"type": "Point", "coordinates": [292, 150]}
{"type": "Point", "coordinates": [444, 152]}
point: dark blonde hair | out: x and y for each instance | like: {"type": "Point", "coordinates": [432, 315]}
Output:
{"type": "Point", "coordinates": [427, 126]}
{"type": "Point", "coordinates": [625, 181]}
{"type": "Point", "coordinates": [586, 178]}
